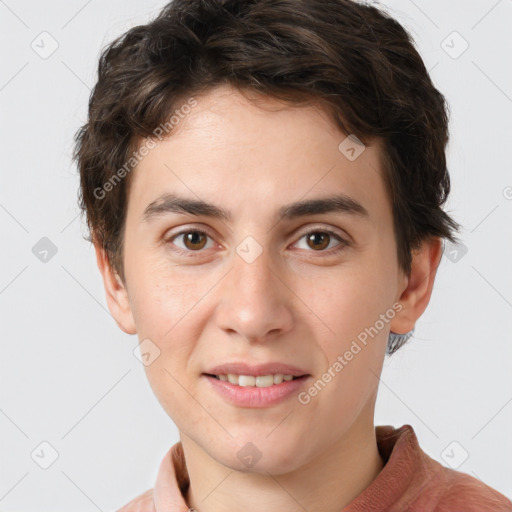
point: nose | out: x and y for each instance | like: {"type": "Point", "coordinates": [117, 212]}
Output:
{"type": "Point", "coordinates": [256, 302]}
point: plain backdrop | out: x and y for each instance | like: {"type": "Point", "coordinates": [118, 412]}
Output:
{"type": "Point", "coordinates": [74, 397]}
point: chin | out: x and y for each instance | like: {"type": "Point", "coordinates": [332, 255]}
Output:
{"type": "Point", "coordinates": [264, 466]}
{"type": "Point", "coordinates": [257, 454]}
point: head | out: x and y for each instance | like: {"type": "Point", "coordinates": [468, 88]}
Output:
{"type": "Point", "coordinates": [264, 182]}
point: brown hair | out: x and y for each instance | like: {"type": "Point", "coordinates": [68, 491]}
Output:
{"type": "Point", "coordinates": [351, 57]}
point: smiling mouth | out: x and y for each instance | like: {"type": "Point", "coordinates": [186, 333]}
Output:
{"type": "Point", "coordinates": [259, 381]}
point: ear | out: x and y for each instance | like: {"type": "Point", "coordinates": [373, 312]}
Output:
{"type": "Point", "coordinates": [116, 293]}
{"type": "Point", "coordinates": [417, 290]}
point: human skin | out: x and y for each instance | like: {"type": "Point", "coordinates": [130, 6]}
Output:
{"type": "Point", "coordinates": [294, 303]}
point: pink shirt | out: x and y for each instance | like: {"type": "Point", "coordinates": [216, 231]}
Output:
{"type": "Point", "coordinates": [409, 481]}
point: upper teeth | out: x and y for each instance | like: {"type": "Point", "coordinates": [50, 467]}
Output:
{"type": "Point", "coordinates": [261, 381]}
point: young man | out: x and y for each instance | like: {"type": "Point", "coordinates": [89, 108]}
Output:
{"type": "Point", "coordinates": [264, 182]}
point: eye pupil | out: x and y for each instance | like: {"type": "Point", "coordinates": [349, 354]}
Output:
{"type": "Point", "coordinates": [192, 237]}
{"type": "Point", "coordinates": [313, 238]}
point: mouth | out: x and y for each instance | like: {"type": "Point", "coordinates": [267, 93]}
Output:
{"type": "Point", "coordinates": [265, 375]}
{"type": "Point", "coordinates": [259, 381]}
{"type": "Point", "coordinates": [255, 386]}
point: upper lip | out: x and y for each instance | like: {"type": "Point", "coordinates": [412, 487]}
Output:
{"type": "Point", "coordinates": [241, 368]}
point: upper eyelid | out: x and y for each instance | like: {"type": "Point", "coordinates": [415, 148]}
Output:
{"type": "Point", "coordinates": [189, 229]}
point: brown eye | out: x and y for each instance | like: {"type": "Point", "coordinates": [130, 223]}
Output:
{"type": "Point", "coordinates": [190, 241]}
{"type": "Point", "coordinates": [194, 240]}
{"type": "Point", "coordinates": [322, 241]}
{"type": "Point", "coordinates": [318, 240]}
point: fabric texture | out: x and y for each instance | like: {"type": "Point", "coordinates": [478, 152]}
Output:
{"type": "Point", "coordinates": [409, 481]}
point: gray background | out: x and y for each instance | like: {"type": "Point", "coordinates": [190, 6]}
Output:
{"type": "Point", "coordinates": [69, 375]}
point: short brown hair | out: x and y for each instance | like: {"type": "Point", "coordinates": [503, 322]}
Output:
{"type": "Point", "coordinates": [351, 57]}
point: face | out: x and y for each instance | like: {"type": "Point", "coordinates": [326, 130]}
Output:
{"type": "Point", "coordinates": [293, 260]}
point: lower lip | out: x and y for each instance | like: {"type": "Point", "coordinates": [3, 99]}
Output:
{"type": "Point", "coordinates": [252, 396]}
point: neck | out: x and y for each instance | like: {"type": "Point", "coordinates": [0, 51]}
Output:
{"type": "Point", "coordinates": [327, 483]}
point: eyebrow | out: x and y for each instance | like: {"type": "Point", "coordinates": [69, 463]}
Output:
{"type": "Point", "coordinates": [172, 203]}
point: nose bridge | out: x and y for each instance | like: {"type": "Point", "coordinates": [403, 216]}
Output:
{"type": "Point", "coordinates": [253, 267]}
{"type": "Point", "coordinates": [255, 302]}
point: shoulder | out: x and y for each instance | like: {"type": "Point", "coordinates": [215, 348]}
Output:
{"type": "Point", "coordinates": [465, 493]}
{"type": "Point", "coordinates": [423, 483]}
{"type": "Point", "coordinates": [142, 503]}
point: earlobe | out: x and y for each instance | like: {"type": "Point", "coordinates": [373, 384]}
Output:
{"type": "Point", "coordinates": [116, 293]}
{"type": "Point", "coordinates": [418, 290]}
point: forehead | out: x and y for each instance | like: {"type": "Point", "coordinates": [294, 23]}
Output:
{"type": "Point", "coordinates": [231, 150]}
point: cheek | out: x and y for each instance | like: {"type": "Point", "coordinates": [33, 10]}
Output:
{"type": "Point", "coordinates": [352, 300]}
{"type": "Point", "coordinates": [168, 307]}
{"type": "Point", "coordinates": [160, 296]}
{"type": "Point", "coordinates": [351, 306]}
{"type": "Point", "coordinates": [163, 308]}
{"type": "Point", "coordinates": [356, 305]}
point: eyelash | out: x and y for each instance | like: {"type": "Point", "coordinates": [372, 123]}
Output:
{"type": "Point", "coordinates": [190, 253]}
